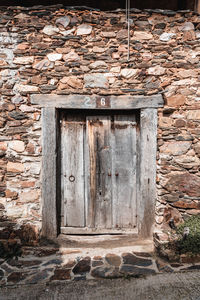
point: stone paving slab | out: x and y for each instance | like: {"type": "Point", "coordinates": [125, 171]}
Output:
{"type": "Point", "coordinates": [50, 265]}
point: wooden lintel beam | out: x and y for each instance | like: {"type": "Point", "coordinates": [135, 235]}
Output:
{"type": "Point", "coordinates": [97, 102]}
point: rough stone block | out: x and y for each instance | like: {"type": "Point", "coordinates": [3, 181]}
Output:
{"type": "Point", "coordinates": [30, 196]}
{"type": "Point", "coordinates": [176, 100]}
{"type": "Point", "coordinates": [82, 266]}
{"type": "Point", "coordinates": [95, 81]}
{"type": "Point", "coordinates": [175, 148]}
{"type": "Point", "coordinates": [17, 146]}
{"type": "Point", "coordinates": [134, 271]}
{"type": "Point", "coordinates": [184, 182]}
{"type": "Point", "coordinates": [130, 259]}
{"type": "Point", "coordinates": [15, 167]}
{"type": "Point", "coordinates": [113, 260]}
{"type": "Point", "coordinates": [61, 274]}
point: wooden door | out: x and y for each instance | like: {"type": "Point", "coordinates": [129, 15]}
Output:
{"type": "Point", "coordinates": [98, 173]}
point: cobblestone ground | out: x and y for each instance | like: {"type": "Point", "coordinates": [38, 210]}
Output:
{"type": "Point", "coordinates": [176, 286]}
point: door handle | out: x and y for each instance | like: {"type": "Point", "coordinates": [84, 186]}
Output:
{"type": "Point", "coordinates": [71, 178]}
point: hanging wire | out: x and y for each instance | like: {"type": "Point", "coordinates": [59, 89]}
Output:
{"type": "Point", "coordinates": [128, 22]}
{"type": "Point", "coordinates": [126, 10]}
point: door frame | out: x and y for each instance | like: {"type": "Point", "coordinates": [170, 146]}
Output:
{"type": "Point", "coordinates": [90, 211]}
{"type": "Point", "coordinates": [50, 104]}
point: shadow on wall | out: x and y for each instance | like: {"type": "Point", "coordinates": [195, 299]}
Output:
{"type": "Point", "coordinates": [108, 4]}
{"type": "Point", "coordinates": [13, 236]}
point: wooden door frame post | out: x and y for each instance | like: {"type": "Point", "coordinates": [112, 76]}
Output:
{"type": "Point", "coordinates": [197, 6]}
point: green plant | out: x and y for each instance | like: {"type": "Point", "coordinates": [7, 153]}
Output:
{"type": "Point", "coordinates": [191, 242]}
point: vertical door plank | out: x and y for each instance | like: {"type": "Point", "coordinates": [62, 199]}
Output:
{"type": "Point", "coordinates": [49, 165]}
{"type": "Point", "coordinates": [62, 154]}
{"type": "Point", "coordinates": [99, 169]}
{"type": "Point", "coordinates": [124, 171]}
{"type": "Point", "coordinates": [72, 139]}
{"type": "Point", "coordinates": [147, 191]}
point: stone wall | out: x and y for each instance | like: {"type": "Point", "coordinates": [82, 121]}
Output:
{"type": "Point", "coordinates": [52, 50]}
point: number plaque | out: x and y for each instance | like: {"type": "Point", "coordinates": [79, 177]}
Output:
{"type": "Point", "coordinates": [103, 102]}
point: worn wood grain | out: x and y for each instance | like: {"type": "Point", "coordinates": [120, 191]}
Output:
{"type": "Point", "coordinates": [49, 181]}
{"type": "Point", "coordinates": [99, 202]}
{"type": "Point", "coordinates": [89, 230]}
{"type": "Point", "coordinates": [94, 101]}
{"type": "Point", "coordinates": [124, 171]}
{"type": "Point", "coordinates": [147, 191]}
{"type": "Point", "coordinates": [72, 173]}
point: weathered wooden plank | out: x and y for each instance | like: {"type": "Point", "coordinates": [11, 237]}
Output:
{"type": "Point", "coordinates": [99, 202]}
{"type": "Point", "coordinates": [88, 230]}
{"type": "Point", "coordinates": [49, 181]}
{"type": "Point", "coordinates": [72, 172]}
{"type": "Point", "coordinates": [136, 102]}
{"type": "Point", "coordinates": [197, 6]}
{"type": "Point", "coordinates": [95, 101]}
{"type": "Point", "coordinates": [147, 191]}
{"type": "Point", "coordinates": [124, 171]}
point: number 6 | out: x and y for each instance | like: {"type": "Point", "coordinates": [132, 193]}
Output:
{"type": "Point", "coordinates": [103, 101]}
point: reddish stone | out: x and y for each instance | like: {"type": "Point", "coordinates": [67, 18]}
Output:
{"type": "Point", "coordinates": [97, 257]}
{"type": "Point", "coordinates": [3, 146]}
{"type": "Point", "coordinates": [185, 204]}
{"type": "Point", "coordinates": [61, 274]}
{"type": "Point", "coordinates": [180, 123]}
{"type": "Point", "coordinates": [30, 148]}
{"type": "Point", "coordinates": [36, 116]}
{"type": "Point", "coordinates": [171, 213]}
{"type": "Point", "coordinates": [14, 123]}
{"type": "Point", "coordinates": [38, 80]}
{"type": "Point", "coordinates": [15, 167]}
{"type": "Point", "coordinates": [27, 184]}
{"type": "Point", "coordinates": [3, 63]}
{"type": "Point", "coordinates": [10, 194]}
{"type": "Point", "coordinates": [34, 37]}
{"type": "Point", "coordinates": [113, 260]}
{"type": "Point", "coordinates": [8, 106]}
{"type": "Point", "coordinates": [176, 100]}
{"type": "Point", "coordinates": [185, 182]}
{"type": "Point", "coordinates": [189, 36]}
{"type": "Point", "coordinates": [15, 277]}
{"type": "Point", "coordinates": [22, 46]}
{"type": "Point", "coordinates": [165, 83]}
